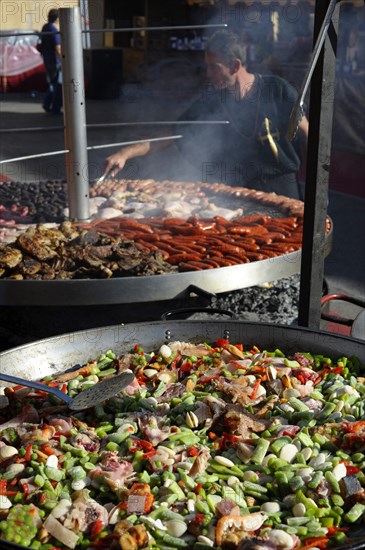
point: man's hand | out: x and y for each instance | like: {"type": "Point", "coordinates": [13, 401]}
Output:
{"type": "Point", "coordinates": [115, 163]}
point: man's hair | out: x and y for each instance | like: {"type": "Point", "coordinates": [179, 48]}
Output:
{"type": "Point", "coordinates": [52, 16]}
{"type": "Point", "coordinates": [228, 46]}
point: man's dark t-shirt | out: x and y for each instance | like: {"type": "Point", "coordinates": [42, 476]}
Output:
{"type": "Point", "coordinates": [252, 150]}
{"type": "Point", "coordinates": [49, 43]}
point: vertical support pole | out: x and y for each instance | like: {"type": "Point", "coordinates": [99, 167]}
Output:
{"type": "Point", "coordinates": [318, 166]}
{"type": "Point", "coordinates": [85, 24]}
{"type": "Point", "coordinates": [74, 113]}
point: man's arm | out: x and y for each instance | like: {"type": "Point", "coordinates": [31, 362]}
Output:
{"type": "Point", "coordinates": [116, 162]}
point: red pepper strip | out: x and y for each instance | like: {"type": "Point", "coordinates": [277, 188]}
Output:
{"type": "Point", "coordinates": [187, 366]}
{"type": "Point", "coordinates": [3, 484]}
{"type": "Point", "coordinates": [25, 487]}
{"type": "Point", "coordinates": [199, 519]}
{"type": "Point", "coordinates": [193, 451]}
{"type": "Point", "coordinates": [226, 437]}
{"type": "Point", "coordinates": [315, 542]}
{"type": "Point", "coordinates": [213, 436]}
{"type": "Point", "coordinates": [239, 346]}
{"type": "Point", "coordinates": [332, 529]}
{"type": "Point", "coordinates": [352, 470]}
{"type": "Point", "coordinates": [222, 342]}
{"type": "Point", "coordinates": [197, 488]}
{"type": "Point", "coordinates": [47, 449]}
{"type": "Point", "coordinates": [140, 444]}
{"type": "Point", "coordinates": [149, 454]}
{"type": "Point", "coordinates": [96, 528]}
{"type": "Point", "coordinates": [28, 452]}
{"type": "Point", "coordinates": [255, 389]}
{"type": "Point", "coordinates": [64, 388]}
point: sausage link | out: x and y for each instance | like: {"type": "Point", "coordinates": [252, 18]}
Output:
{"type": "Point", "coordinates": [264, 239]}
{"type": "Point", "coordinates": [248, 247]}
{"type": "Point", "coordinates": [237, 259]}
{"type": "Point", "coordinates": [175, 259]}
{"type": "Point", "coordinates": [187, 229]}
{"type": "Point", "coordinates": [255, 256]}
{"type": "Point", "coordinates": [240, 229]}
{"type": "Point", "coordinates": [134, 224]}
{"type": "Point", "coordinates": [186, 266]}
{"type": "Point", "coordinates": [167, 222]}
{"type": "Point", "coordinates": [260, 219]}
{"type": "Point", "coordinates": [259, 229]}
{"type": "Point", "coordinates": [223, 262]}
{"type": "Point", "coordinates": [276, 236]}
{"type": "Point", "coordinates": [221, 220]}
{"type": "Point", "coordinates": [278, 229]}
{"type": "Point", "coordinates": [191, 248]}
{"type": "Point", "coordinates": [164, 246]}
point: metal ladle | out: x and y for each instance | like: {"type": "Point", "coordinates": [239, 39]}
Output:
{"type": "Point", "coordinates": [85, 399]}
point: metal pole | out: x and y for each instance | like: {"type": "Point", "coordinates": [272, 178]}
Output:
{"type": "Point", "coordinates": [74, 114]}
{"type": "Point", "coordinates": [318, 166]}
{"type": "Point", "coordinates": [85, 24]}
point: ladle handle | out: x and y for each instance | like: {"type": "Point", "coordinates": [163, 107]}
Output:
{"type": "Point", "coordinates": [36, 385]}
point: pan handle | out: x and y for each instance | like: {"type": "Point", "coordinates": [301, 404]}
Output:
{"type": "Point", "coordinates": [344, 298]}
{"type": "Point", "coordinates": [190, 310]}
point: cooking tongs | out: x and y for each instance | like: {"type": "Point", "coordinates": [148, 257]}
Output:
{"type": "Point", "coordinates": [298, 111]}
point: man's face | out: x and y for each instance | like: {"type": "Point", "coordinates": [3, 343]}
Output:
{"type": "Point", "coordinates": [218, 73]}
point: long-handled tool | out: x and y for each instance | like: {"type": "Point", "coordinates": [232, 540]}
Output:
{"type": "Point", "coordinates": [298, 111]}
{"type": "Point", "coordinates": [85, 399]}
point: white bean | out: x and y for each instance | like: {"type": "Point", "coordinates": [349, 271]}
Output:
{"type": "Point", "coordinates": [7, 451]}
{"type": "Point", "coordinates": [5, 503]}
{"type": "Point", "coordinates": [205, 540]}
{"type": "Point", "coordinates": [232, 480]}
{"type": "Point", "coordinates": [224, 461]}
{"type": "Point", "coordinates": [281, 539]}
{"type": "Point", "coordinates": [307, 453]}
{"type": "Point", "coordinates": [165, 351]}
{"type": "Point", "coordinates": [78, 484]}
{"type": "Point", "coordinates": [176, 527]}
{"type": "Point", "coordinates": [288, 452]}
{"type": "Point", "coordinates": [299, 510]}
{"type": "Point", "coordinates": [62, 508]}
{"type": "Point", "coordinates": [339, 471]}
{"type": "Point", "coordinates": [52, 461]}
{"type": "Point", "coordinates": [270, 507]}
{"type": "Point", "coordinates": [318, 460]}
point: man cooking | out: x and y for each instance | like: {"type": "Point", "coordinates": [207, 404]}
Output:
{"type": "Point", "coordinates": [252, 150]}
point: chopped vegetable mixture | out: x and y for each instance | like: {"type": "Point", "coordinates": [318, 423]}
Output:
{"type": "Point", "coordinates": [211, 446]}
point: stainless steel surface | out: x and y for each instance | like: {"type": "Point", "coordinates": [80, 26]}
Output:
{"type": "Point", "coordinates": [77, 167]}
{"type": "Point", "coordinates": [57, 354]}
{"type": "Point", "coordinates": [297, 112]}
{"type": "Point", "coordinates": [128, 290]}
{"type": "Point", "coordinates": [88, 398]}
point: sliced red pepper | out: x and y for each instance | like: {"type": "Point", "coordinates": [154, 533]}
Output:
{"type": "Point", "coordinates": [352, 470]}
{"type": "Point", "coordinates": [315, 542]}
{"type": "Point", "coordinates": [239, 346]}
{"type": "Point", "coordinates": [255, 389]}
{"type": "Point", "coordinates": [25, 487]}
{"type": "Point", "coordinates": [28, 452]}
{"type": "Point", "coordinates": [197, 488]}
{"type": "Point", "coordinates": [199, 519]}
{"type": "Point", "coordinates": [187, 366]}
{"type": "Point", "coordinates": [228, 438]}
{"type": "Point", "coordinates": [221, 342]}
{"type": "Point", "coordinates": [47, 449]}
{"type": "Point", "coordinates": [96, 528]}
{"type": "Point", "coordinates": [193, 451]}
{"type": "Point", "coordinates": [141, 445]}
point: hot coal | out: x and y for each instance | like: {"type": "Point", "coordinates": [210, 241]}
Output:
{"type": "Point", "coordinates": [45, 200]}
{"type": "Point", "coordinates": [275, 302]}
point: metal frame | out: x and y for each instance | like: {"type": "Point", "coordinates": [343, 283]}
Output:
{"type": "Point", "coordinates": [317, 175]}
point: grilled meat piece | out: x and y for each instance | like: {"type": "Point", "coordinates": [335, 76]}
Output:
{"type": "Point", "coordinates": [10, 257]}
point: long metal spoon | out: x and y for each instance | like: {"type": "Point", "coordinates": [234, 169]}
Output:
{"type": "Point", "coordinates": [85, 399]}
